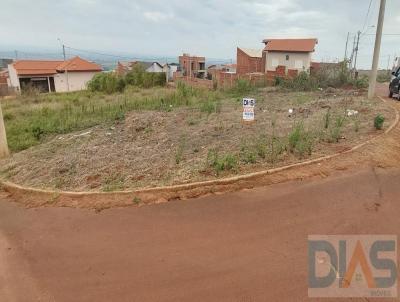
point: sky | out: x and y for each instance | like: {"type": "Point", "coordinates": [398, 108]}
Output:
{"type": "Point", "coordinates": [202, 27]}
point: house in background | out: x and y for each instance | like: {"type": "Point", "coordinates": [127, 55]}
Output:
{"type": "Point", "coordinates": [293, 54]}
{"type": "Point", "coordinates": [193, 66]}
{"type": "Point", "coordinates": [124, 67]}
{"type": "Point", "coordinates": [170, 69]}
{"type": "Point", "coordinates": [52, 76]}
{"type": "Point", "coordinates": [213, 70]}
{"type": "Point", "coordinates": [249, 60]}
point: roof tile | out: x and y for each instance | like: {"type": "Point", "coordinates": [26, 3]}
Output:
{"type": "Point", "coordinates": [43, 67]}
{"type": "Point", "coordinates": [290, 45]}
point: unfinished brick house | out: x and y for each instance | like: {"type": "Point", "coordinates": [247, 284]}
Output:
{"type": "Point", "coordinates": [193, 66]}
{"type": "Point", "coordinates": [249, 61]}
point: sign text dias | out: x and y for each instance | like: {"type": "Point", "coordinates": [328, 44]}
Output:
{"type": "Point", "coordinates": [248, 109]}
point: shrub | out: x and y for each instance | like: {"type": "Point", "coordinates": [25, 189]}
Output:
{"type": "Point", "coordinates": [37, 132]}
{"type": "Point", "coordinates": [378, 122]}
{"type": "Point", "coordinates": [247, 155]}
{"type": "Point", "coordinates": [336, 131]}
{"type": "Point", "coordinates": [302, 82]}
{"type": "Point", "coordinates": [221, 163]}
{"type": "Point", "coordinates": [361, 82]}
{"type": "Point", "coordinates": [210, 106]}
{"type": "Point", "coordinates": [278, 81]}
{"type": "Point", "coordinates": [109, 83]}
{"type": "Point", "coordinates": [327, 119]}
{"type": "Point", "coordinates": [300, 141]}
{"type": "Point", "coordinates": [242, 87]}
{"type": "Point", "coordinates": [261, 147]}
{"type": "Point", "coordinates": [278, 147]}
{"type": "Point", "coordinates": [106, 82]}
{"type": "Point", "coordinates": [135, 76]}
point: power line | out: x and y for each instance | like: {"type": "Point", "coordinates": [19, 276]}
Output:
{"type": "Point", "coordinates": [366, 17]}
{"type": "Point", "coordinates": [383, 34]}
{"type": "Point", "coordinates": [100, 53]}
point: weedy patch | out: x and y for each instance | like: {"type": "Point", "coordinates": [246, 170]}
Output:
{"type": "Point", "coordinates": [378, 122]}
{"type": "Point", "coordinates": [136, 200]}
{"type": "Point", "coordinates": [114, 182]}
{"type": "Point", "coordinates": [300, 141]}
{"type": "Point", "coordinates": [223, 162]}
{"type": "Point", "coordinates": [180, 149]}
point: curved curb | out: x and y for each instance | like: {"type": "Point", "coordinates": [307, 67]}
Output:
{"type": "Point", "coordinates": [101, 200]}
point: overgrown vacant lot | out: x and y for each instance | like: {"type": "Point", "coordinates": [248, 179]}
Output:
{"type": "Point", "coordinates": [161, 136]}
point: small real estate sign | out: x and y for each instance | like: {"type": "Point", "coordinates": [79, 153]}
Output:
{"type": "Point", "coordinates": [248, 109]}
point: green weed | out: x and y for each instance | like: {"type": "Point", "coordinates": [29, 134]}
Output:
{"type": "Point", "coordinates": [378, 122]}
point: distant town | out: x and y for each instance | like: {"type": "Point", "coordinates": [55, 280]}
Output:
{"type": "Point", "coordinates": [279, 57]}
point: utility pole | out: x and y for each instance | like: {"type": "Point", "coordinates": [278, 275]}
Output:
{"type": "Point", "coordinates": [3, 138]}
{"type": "Point", "coordinates": [356, 54]}
{"type": "Point", "coordinates": [166, 72]}
{"type": "Point", "coordinates": [377, 49]}
{"type": "Point", "coordinates": [66, 69]}
{"type": "Point", "coordinates": [347, 43]}
{"type": "Point", "coordinates": [16, 55]}
{"type": "Point", "coordinates": [352, 55]}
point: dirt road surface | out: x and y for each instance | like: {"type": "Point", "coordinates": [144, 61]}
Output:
{"type": "Point", "coordinates": [243, 246]}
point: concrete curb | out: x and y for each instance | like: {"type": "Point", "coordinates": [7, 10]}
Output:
{"type": "Point", "coordinates": [37, 197]}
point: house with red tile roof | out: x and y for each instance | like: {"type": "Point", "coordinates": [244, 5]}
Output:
{"type": "Point", "coordinates": [52, 76]}
{"type": "Point", "coordinates": [293, 54]}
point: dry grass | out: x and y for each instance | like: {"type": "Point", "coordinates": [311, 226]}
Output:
{"type": "Point", "coordinates": [161, 146]}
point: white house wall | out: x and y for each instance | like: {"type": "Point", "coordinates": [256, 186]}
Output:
{"type": "Point", "coordinates": [170, 69]}
{"type": "Point", "coordinates": [297, 61]}
{"type": "Point", "coordinates": [13, 77]}
{"type": "Point", "coordinates": [76, 80]}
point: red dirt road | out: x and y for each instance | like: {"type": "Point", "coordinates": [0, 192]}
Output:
{"type": "Point", "coordinates": [243, 246]}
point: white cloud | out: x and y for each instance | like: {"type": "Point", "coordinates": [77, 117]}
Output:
{"type": "Point", "coordinates": [157, 16]}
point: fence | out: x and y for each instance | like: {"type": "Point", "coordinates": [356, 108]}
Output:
{"type": "Point", "coordinates": [196, 82]}
{"type": "Point", "coordinates": [228, 79]}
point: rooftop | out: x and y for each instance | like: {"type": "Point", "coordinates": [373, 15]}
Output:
{"type": "Point", "coordinates": [43, 67]}
{"type": "Point", "coordinates": [291, 45]}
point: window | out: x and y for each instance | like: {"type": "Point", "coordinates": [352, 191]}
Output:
{"type": "Point", "coordinates": [287, 57]}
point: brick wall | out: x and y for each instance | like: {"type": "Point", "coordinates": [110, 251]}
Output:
{"type": "Point", "coordinates": [227, 79]}
{"type": "Point", "coordinates": [195, 82]}
{"type": "Point", "coordinates": [191, 63]}
{"type": "Point", "coordinates": [247, 64]}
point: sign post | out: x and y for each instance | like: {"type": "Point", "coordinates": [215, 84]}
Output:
{"type": "Point", "coordinates": [248, 109]}
{"type": "Point", "coordinates": [3, 138]}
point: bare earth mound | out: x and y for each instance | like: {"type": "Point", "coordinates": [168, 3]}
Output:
{"type": "Point", "coordinates": [151, 148]}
